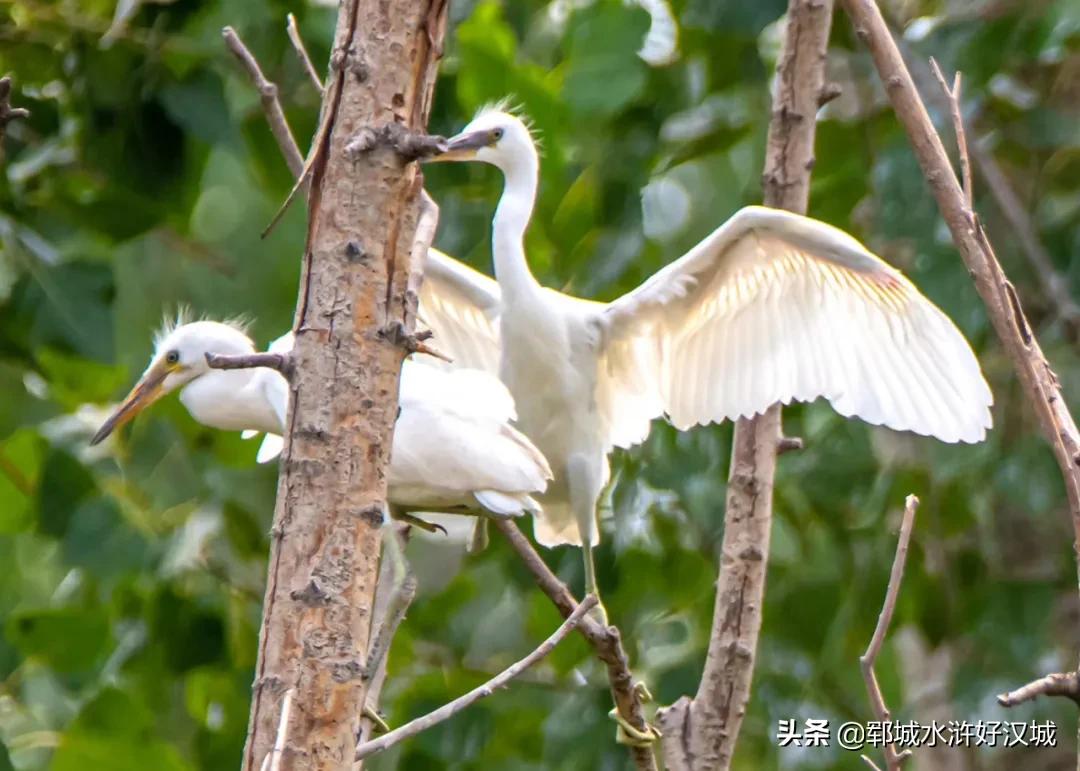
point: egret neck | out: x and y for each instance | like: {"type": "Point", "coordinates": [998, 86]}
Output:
{"type": "Point", "coordinates": [508, 227]}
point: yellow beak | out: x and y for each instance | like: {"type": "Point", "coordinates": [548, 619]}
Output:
{"type": "Point", "coordinates": [147, 391]}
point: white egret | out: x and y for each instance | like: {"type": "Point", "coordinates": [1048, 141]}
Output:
{"type": "Point", "coordinates": [770, 307]}
{"type": "Point", "coordinates": [453, 447]}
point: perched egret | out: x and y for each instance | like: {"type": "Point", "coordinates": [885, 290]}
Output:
{"type": "Point", "coordinates": [770, 307]}
{"type": "Point", "coordinates": [453, 449]}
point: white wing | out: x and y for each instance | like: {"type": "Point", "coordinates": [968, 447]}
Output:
{"type": "Point", "coordinates": [773, 307]}
{"type": "Point", "coordinates": [453, 441]}
{"type": "Point", "coordinates": [461, 307]}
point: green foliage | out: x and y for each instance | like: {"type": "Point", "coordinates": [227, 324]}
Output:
{"type": "Point", "coordinates": [132, 573]}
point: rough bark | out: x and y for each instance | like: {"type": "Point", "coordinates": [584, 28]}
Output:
{"type": "Point", "coordinates": [332, 488]}
{"type": "Point", "coordinates": [701, 733]}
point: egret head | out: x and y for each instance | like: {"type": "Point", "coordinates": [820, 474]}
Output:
{"type": "Point", "coordinates": [494, 136]}
{"type": "Point", "coordinates": [179, 357]}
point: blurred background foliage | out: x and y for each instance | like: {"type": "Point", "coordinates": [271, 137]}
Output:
{"type": "Point", "coordinates": [131, 573]}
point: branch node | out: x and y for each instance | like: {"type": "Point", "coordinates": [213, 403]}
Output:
{"type": "Point", "coordinates": [395, 333]}
{"type": "Point", "coordinates": [408, 145]}
{"type": "Point", "coordinates": [829, 92]}
{"type": "Point", "coordinates": [311, 595]}
{"type": "Point", "coordinates": [282, 362]}
{"type": "Point", "coordinates": [1059, 684]}
{"type": "Point", "coordinates": [789, 444]}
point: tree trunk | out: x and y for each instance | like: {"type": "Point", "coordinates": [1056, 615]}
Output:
{"type": "Point", "coordinates": [700, 733]}
{"type": "Point", "coordinates": [324, 554]}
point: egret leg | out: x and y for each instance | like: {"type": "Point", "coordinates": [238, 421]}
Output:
{"type": "Point", "coordinates": [479, 539]}
{"type": "Point", "coordinates": [585, 480]}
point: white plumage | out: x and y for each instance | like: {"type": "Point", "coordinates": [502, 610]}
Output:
{"type": "Point", "coordinates": [453, 446]}
{"type": "Point", "coordinates": [770, 307]}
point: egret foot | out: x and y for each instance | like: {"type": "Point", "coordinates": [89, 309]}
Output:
{"type": "Point", "coordinates": [380, 725]}
{"type": "Point", "coordinates": [420, 523]}
{"type": "Point", "coordinates": [631, 735]}
{"type": "Point", "coordinates": [598, 612]}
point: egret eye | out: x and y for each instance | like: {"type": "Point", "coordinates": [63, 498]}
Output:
{"type": "Point", "coordinates": [172, 357]}
{"type": "Point", "coordinates": [497, 134]}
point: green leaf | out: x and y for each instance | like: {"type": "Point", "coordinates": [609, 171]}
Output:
{"type": "Point", "coordinates": [66, 639]}
{"type": "Point", "coordinates": [604, 72]}
{"type": "Point", "coordinates": [65, 483]}
{"type": "Point", "coordinates": [20, 466]}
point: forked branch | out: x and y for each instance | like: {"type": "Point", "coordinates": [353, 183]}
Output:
{"type": "Point", "coordinates": [893, 759]}
{"type": "Point", "coordinates": [268, 94]}
{"type": "Point", "coordinates": [447, 711]}
{"type": "Point", "coordinates": [606, 641]}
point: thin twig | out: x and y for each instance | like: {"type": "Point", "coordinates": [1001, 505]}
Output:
{"type": "Point", "coordinates": [1054, 285]}
{"type": "Point", "coordinates": [893, 759]}
{"type": "Point", "coordinates": [1017, 217]}
{"type": "Point", "coordinates": [282, 362]}
{"type": "Point", "coordinates": [953, 96]}
{"type": "Point", "coordinates": [268, 93]}
{"type": "Point", "coordinates": [1065, 684]}
{"type": "Point", "coordinates": [606, 641]}
{"type": "Point", "coordinates": [301, 52]}
{"type": "Point", "coordinates": [870, 763]}
{"type": "Point", "coordinates": [447, 711]}
{"type": "Point", "coordinates": [272, 761]}
{"type": "Point", "coordinates": [7, 112]}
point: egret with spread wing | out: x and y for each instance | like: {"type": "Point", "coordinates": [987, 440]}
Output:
{"type": "Point", "coordinates": [770, 307]}
{"type": "Point", "coordinates": [453, 448]}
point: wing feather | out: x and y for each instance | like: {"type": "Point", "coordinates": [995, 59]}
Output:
{"type": "Point", "coordinates": [461, 308]}
{"type": "Point", "coordinates": [773, 307]}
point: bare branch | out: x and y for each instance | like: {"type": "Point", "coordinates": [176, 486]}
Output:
{"type": "Point", "coordinates": [447, 711]}
{"type": "Point", "coordinates": [953, 95]}
{"type": "Point", "coordinates": [302, 54]}
{"type": "Point", "coordinates": [606, 641]}
{"type": "Point", "coordinates": [402, 591]}
{"type": "Point", "coordinates": [7, 112]}
{"type": "Point", "coordinates": [1003, 307]}
{"type": "Point", "coordinates": [388, 593]}
{"type": "Point", "coordinates": [268, 93]}
{"type": "Point", "coordinates": [1066, 684]}
{"type": "Point", "coordinates": [1017, 217]}
{"type": "Point", "coordinates": [701, 733]}
{"type": "Point", "coordinates": [282, 362]}
{"type": "Point", "coordinates": [1054, 285]}
{"type": "Point", "coordinates": [893, 759]}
